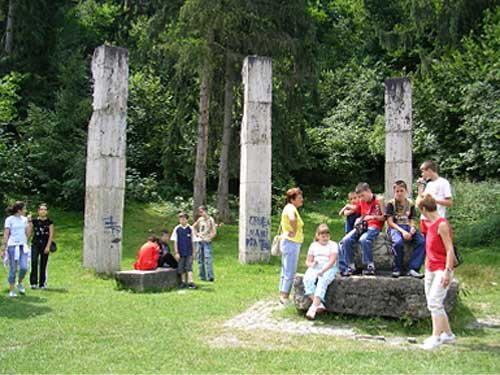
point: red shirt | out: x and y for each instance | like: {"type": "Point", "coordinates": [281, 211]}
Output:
{"type": "Point", "coordinates": [147, 258]}
{"type": "Point", "coordinates": [435, 251]}
{"type": "Point", "coordinates": [371, 208]}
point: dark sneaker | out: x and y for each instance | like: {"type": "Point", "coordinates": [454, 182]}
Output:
{"type": "Point", "coordinates": [370, 271]}
{"type": "Point", "coordinates": [211, 280]}
{"type": "Point", "coordinates": [182, 285]}
{"type": "Point", "coordinates": [396, 274]}
{"type": "Point", "coordinates": [192, 286]}
{"type": "Point", "coordinates": [415, 274]}
{"type": "Point", "coordinates": [346, 273]}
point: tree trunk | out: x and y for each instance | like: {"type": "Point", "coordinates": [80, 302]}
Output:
{"type": "Point", "coordinates": [224, 214]}
{"type": "Point", "coordinates": [9, 32]}
{"type": "Point", "coordinates": [200, 174]}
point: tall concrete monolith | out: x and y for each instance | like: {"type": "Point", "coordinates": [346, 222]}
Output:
{"type": "Point", "coordinates": [255, 168]}
{"type": "Point", "coordinates": [105, 177]}
{"type": "Point", "coordinates": [398, 125]}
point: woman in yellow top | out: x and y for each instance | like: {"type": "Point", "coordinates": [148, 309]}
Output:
{"type": "Point", "coordinates": [293, 236]}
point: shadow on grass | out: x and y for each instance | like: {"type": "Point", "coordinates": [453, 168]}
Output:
{"type": "Point", "coordinates": [22, 307]}
{"type": "Point", "coordinates": [55, 290]}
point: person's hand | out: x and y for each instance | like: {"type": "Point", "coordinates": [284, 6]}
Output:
{"type": "Point", "coordinates": [29, 218]}
{"type": "Point", "coordinates": [46, 250]}
{"type": "Point", "coordinates": [3, 252]}
{"type": "Point", "coordinates": [406, 236]}
{"type": "Point", "coordinates": [291, 233]}
{"type": "Point", "coordinates": [421, 181]}
{"type": "Point", "coordinates": [320, 273]}
{"type": "Point", "coordinates": [413, 231]}
{"type": "Point", "coordinates": [177, 256]}
{"type": "Point", "coordinates": [445, 280]}
{"type": "Point", "coordinates": [369, 217]}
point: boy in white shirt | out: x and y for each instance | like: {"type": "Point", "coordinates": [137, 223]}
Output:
{"type": "Point", "coordinates": [437, 186]}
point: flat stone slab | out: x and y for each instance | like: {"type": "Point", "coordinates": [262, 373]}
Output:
{"type": "Point", "coordinates": [144, 281]}
{"type": "Point", "coordinates": [376, 296]}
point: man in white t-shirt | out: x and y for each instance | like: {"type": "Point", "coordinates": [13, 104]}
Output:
{"type": "Point", "coordinates": [438, 187]}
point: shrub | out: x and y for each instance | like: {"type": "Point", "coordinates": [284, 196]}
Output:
{"type": "Point", "coordinates": [475, 215]}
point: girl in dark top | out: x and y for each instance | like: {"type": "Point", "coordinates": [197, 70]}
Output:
{"type": "Point", "coordinates": [43, 232]}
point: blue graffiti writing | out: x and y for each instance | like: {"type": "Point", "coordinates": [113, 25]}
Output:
{"type": "Point", "coordinates": [258, 233]}
{"type": "Point", "coordinates": [116, 229]}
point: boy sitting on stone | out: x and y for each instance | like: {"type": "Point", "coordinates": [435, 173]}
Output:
{"type": "Point", "coordinates": [400, 213]}
{"type": "Point", "coordinates": [147, 257]}
{"type": "Point", "coordinates": [371, 208]}
{"type": "Point", "coordinates": [166, 259]}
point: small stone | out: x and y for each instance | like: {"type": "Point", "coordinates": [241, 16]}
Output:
{"type": "Point", "coordinates": [412, 340]}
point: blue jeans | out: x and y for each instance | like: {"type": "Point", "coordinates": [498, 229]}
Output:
{"type": "Point", "coordinates": [204, 256]}
{"type": "Point", "coordinates": [346, 253]}
{"type": "Point", "coordinates": [23, 264]}
{"type": "Point", "coordinates": [290, 256]}
{"type": "Point", "coordinates": [418, 242]}
{"type": "Point", "coordinates": [318, 289]}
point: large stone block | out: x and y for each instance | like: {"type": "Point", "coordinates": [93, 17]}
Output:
{"type": "Point", "coordinates": [144, 281]}
{"type": "Point", "coordinates": [257, 73]}
{"type": "Point", "coordinates": [376, 296]}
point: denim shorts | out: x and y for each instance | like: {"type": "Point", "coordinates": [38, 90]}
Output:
{"type": "Point", "coordinates": [185, 264]}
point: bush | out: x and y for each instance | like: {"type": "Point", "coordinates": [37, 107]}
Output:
{"type": "Point", "coordinates": [475, 215]}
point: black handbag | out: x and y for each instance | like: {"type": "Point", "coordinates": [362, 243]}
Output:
{"type": "Point", "coordinates": [458, 258]}
{"type": "Point", "coordinates": [53, 246]}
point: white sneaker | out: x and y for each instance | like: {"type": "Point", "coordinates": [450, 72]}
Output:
{"type": "Point", "coordinates": [321, 308]}
{"type": "Point", "coordinates": [12, 293]}
{"type": "Point", "coordinates": [432, 342]}
{"type": "Point", "coordinates": [311, 313]}
{"type": "Point", "coordinates": [21, 289]}
{"type": "Point", "coordinates": [447, 339]}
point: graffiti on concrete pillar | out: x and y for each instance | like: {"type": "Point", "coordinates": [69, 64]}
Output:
{"type": "Point", "coordinates": [258, 236]}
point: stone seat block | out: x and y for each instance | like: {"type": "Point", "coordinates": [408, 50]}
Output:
{"type": "Point", "coordinates": [375, 296]}
{"type": "Point", "coordinates": [382, 254]}
{"type": "Point", "coordinates": [144, 281]}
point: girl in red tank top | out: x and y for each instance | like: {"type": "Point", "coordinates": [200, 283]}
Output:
{"type": "Point", "coordinates": [438, 271]}
{"type": "Point", "coordinates": [434, 247]}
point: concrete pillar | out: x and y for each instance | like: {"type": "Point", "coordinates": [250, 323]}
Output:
{"type": "Point", "coordinates": [398, 144]}
{"type": "Point", "coordinates": [105, 178]}
{"type": "Point", "coordinates": [255, 169]}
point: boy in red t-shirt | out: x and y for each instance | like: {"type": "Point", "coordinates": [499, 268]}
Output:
{"type": "Point", "coordinates": [147, 257]}
{"type": "Point", "coordinates": [371, 208]}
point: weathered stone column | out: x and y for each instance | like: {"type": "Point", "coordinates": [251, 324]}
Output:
{"type": "Point", "coordinates": [255, 169]}
{"type": "Point", "coordinates": [105, 179]}
{"type": "Point", "coordinates": [398, 144]}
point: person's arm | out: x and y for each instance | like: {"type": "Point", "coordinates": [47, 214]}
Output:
{"type": "Point", "coordinates": [51, 235]}
{"type": "Point", "coordinates": [393, 225]}
{"type": "Point", "coordinates": [213, 233]}
{"type": "Point", "coordinates": [177, 256]}
{"type": "Point", "coordinates": [194, 228]}
{"type": "Point", "coordinates": [421, 186]}
{"type": "Point", "coordinates": [411, 220]}
{"type": "Point", "coordinates": [446, 202]}
{"type": "Point", "coordinates": [310, 261]}
{"type": "Point", "coordinates": [29, 228]}
{"type": "Point", "coordinates": [331, 262]}
{"type": "Point", "coordinates": [444, 233]}
{"type": "Point", "coordinates": [6, 234]}
{"type": "Point", "coordinates": [293, 223]}
{"type": "Point", "coordinates": [341, 212]}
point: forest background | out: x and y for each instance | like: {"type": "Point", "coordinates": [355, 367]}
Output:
{"type": "Point", "coordinates": [330, 59]}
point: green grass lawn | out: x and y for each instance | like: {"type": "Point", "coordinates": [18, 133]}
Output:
{"type": "Point", "coordinates": [84, 324]}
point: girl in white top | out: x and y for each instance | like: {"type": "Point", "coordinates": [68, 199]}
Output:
{"type": "Point", "coordinates": [321, 262]}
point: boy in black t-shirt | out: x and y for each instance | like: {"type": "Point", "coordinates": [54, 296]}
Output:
{"type": "Point", "coordinates": [43, 232]}
{"type": "Point", "coordinates": [400, 213]}
{"type": "Point", "coordinates": [166, 259]}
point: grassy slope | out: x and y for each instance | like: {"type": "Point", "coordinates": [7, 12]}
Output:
{"type": "Point", "coordinates": [83, 324]}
